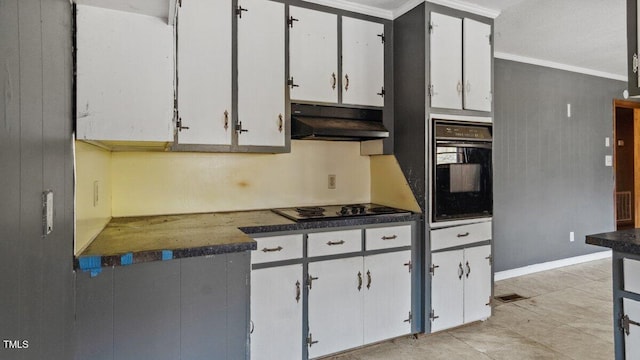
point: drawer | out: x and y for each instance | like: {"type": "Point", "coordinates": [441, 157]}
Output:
{"type": "Point", "coordinates": [388, 237]}
{"type": "Point", "coordinates": [460, 235]}
{"type": "Point", "coordinates": [277, 248]}
{"type": "Point", "coordinates": [631, 275]}
{"type": "Point", "coordinates": [334, 242]}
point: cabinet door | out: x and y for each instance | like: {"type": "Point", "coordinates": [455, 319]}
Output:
{"type": "Point", "coordinates": [387, 296]}
{"type": "Point", "coordinates": [124, 76]}
{"type": "Point", "coordinates": [276, 312]}
{"type": "Point", "coordinates": [204, 72]}
{"type": "Point", "coordinates": [447, 296]}
{"type": "Point", "coordinates": [631, 308]}
{"type": "Point", "coordinates": [477, 65]}
{"type": "Point", "coordinates": [261, 78]}
{"type": "Point", "coordinates": [362, 62]}
{"type": "Point", "coordinates": [313, 55]}
{"type": "Point", "coordinates": [335, 305]}
{"type": "Point", "coordinates": [477, 283]}
{"type": "Point", "coordinates": [446, 61]}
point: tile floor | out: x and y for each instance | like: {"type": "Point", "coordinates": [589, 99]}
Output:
{"type": "Point", "coordinates": [568, 315]}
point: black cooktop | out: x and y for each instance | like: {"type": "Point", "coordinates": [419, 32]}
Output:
{"type": "Point", "coordinates": [337, 211]}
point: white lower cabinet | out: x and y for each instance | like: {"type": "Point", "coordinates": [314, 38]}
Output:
{"type": "Point", "coordinates": [358, 301]}
{"type": "Point", "coordinates": [460, 287]}
{"type": "Point", "coordinates": [631, 310]}
{"type": "Point", "coordinates": [276, 312]}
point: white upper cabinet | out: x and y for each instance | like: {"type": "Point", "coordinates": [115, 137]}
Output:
{"type": "Point", "coordinates": [477, 65]}
{"type": "Point", "coordinates": [261, 75]}
{"type": "Point", "coordinates": [446, 61]}
{"type": "Point", "coordinates": [313, 55]}
{"type": "Point", "coordinates": [204, 72]}
{"type": "Point", "coordinates": [460, 63]}
{"type": "Point", "coordinates": [124, 76]}
{"type": "Point", "coordinates": [362, 62]}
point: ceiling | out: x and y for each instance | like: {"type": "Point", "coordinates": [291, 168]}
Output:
{"type": "Point", "coordinates": [588, 34]}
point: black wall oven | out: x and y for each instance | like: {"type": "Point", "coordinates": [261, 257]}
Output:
{"type": "Point", "coordinates": [462, 171]}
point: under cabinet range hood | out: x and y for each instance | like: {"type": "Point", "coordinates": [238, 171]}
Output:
{"type": "Point", "coordinates": [321, 122]}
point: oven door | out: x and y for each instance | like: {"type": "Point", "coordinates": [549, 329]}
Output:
{"type": "Point", "coordinates": [462, 180]}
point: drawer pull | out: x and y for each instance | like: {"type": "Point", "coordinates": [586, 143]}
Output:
{"type": "Point", "coordinates": [331, 243]}
{"type": "Point", "coordinates": [463, 235]}
{"type": "Point", "coordinates": [468, 269]}
{"type": "Point", "coordinates": [460, 271]}
{"type": "Point", "coordinates": [368, 279]}
{"type": "Point", "coordinates": [279, 248]}
{"type": "Point", "coordinates": [359, 281]}
{"type": "Point", "coordinates": [392, 237]}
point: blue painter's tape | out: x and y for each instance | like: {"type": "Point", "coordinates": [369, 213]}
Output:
{"type": "Point", "coordinates": [167, 255]}
{"type": "Point", "coordinates": [92, 264]}
{"type": "Point", "coordinates": [126, 259]}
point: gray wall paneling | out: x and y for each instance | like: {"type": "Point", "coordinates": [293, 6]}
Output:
{"type": "Point", "coordinates": [549, 171]}
{"type": "Point", "coordinates": [37, 294]}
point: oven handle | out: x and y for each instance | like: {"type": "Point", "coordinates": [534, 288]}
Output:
{"type": "Point", "coordinates": [481, 145]}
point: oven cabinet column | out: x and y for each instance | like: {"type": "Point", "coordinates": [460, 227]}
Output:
{"type": "Point", "coordinates": [124, 76]}
{"type": "Point", "coordinates": [460, 278]}
{"type": "Point", "coordinates": [632, 47]}
{"type": "Point", "coordinates": [204, 58]}
{"type": "Point", "coordinates": [460, 63]}
{"type": "Point", "coordinates": [261, 74]}
{"type": "Point", "coordinates": [313, 55]}
{"type": "Point", "coordinates": [362, 62]}
{"type": "Point", "coordinates": [276, 298]}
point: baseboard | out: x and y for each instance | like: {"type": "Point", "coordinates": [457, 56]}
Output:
{"type": "Point", "coordinates": [526, 270]}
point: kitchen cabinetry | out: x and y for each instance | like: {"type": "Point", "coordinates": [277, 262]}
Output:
{"type": "Point", "coordinates": [362, 62]}
{"type": "Point", "coordinates": [633, 13]}
{"type": "Point", "coordinates": [261, 76]}
{"type": "Point", "coordinates": [313, 55]}
{"type": "Point", "coordinates": [124, 76]}
{"type": "Point", "coordinates": [631, 310]}
{"type": "Point", "coordinates": [460, 63]}
{"type": "Point", "coordinates": [314, 58]}
{"type": "Point", "coordinates": [460, 286]}
{"type": "Point", "coordinates": [204, 72]}
{"type": "Point", "coordinates": [179, 309]}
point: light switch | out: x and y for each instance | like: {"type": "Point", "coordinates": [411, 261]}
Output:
{"type": "Point", "coordinates": [607, 142]}
{"type": "Point", "coordinates": [568, 110]}
{"type": "Point", "coordinates": [608, 160]}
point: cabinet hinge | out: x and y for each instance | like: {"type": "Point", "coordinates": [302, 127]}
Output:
{"type": "Point", "coordinates": [490, 258]}
{"type": "Point", "coordinates": [290, 21]}
{"type": "Point", "coordinates": [310, 341]}
{"type": "Point", "coordinates": [625, 322]}
{"type": "Point", "coordinates": [239, 11]}
{"type": "Point", "coordinates": [239, 128]}
{"type": "Point", "coordinates": [490, 39]}
{"type": "Point", "coordinates": [179, 125]}
{"type": "Point", "coordinates": [381, 93]}
{"type": "Point", "coordinates": [179, 3]}
{"type": "Point", "coordinates": [431, 28]}
{"type": "Point", "coordinates": [432, 315]}
{"type": "Point", "coordinates": [409, 265]}
{"type": "Point", "coordinates": [432, 269]}
{"type": "Point", "coordinates": [489, 302]}
{"type": "Point", "coordinates": [430, 90]}
{"type": "Point", "coordinates": [381, 36]}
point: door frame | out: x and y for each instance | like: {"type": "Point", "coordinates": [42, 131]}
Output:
{"type": "Point", "coordinates": [628, 104]}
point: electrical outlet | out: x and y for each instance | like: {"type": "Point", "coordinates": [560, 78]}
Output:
{"type": "Point", "coordinates": [572, 236]}
{"type": "Point", "coordinates": [96, 192]}
{"type": "Point", "coordinates": [331, 183]}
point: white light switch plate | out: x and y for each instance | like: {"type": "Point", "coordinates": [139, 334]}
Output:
{"type": "Point", "coordinates": [607, 143]}
{"type": "Point", "coordinates": [608, 160]}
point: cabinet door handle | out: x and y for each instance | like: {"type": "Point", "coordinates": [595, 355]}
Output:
{"type": "Point", "coordinates": [460, 271]}
{"type": "Point", "coordinates": [392, 237]}
{"type": "Point", "coordinates": [280, 122]}
{"type": "Point", "coordinates": [297, 291]}
{"type": "Point", "coordinates": [252, 327]}
{"type": "Point", "coordinates": [226, 120]}
{"type": "Point", "coordinates": [331, 243]}
{"type": "Point", "coordinates": [346, 82]}
{"type": "Point", "coordinates": [334, 81]}
{"type": "Point", "coordinates": [368, 279]}
{"type": "Point", "coordinates": [468, 269]}
{"type": "Point", "coordinates": [310, 281]}
{"type": "Point", "coordinates": [279, 248]}
{"type": "Point", "coordinates": [463, 234]}
{"type": "Point", "coordinates": [459, 87]}
{"type": "Point", "coordinates": [359, 281]}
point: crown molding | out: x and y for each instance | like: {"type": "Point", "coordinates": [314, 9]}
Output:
{"type": "Point", "coordinates": [468, 7]}
{"type": "Point", "coordinates": [559, 66]}
{"type": "Point", "coordinates": [358, 8]}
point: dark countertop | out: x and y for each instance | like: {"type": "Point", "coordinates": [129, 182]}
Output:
{"type": "Point", "coordinates": [131, 240]}
{"type": "Point", "coordinates": [626, 241]}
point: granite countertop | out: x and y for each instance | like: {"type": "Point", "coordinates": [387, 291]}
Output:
{"type": "Point", "coordinates": [626, 241]}
{"type": "Point", "coordinates": [131, 240]}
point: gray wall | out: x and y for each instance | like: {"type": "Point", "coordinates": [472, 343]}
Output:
{"type": "Point", "coordinates": [36, 278]}
{"type": "Point", "coordinates": [550, 176]}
